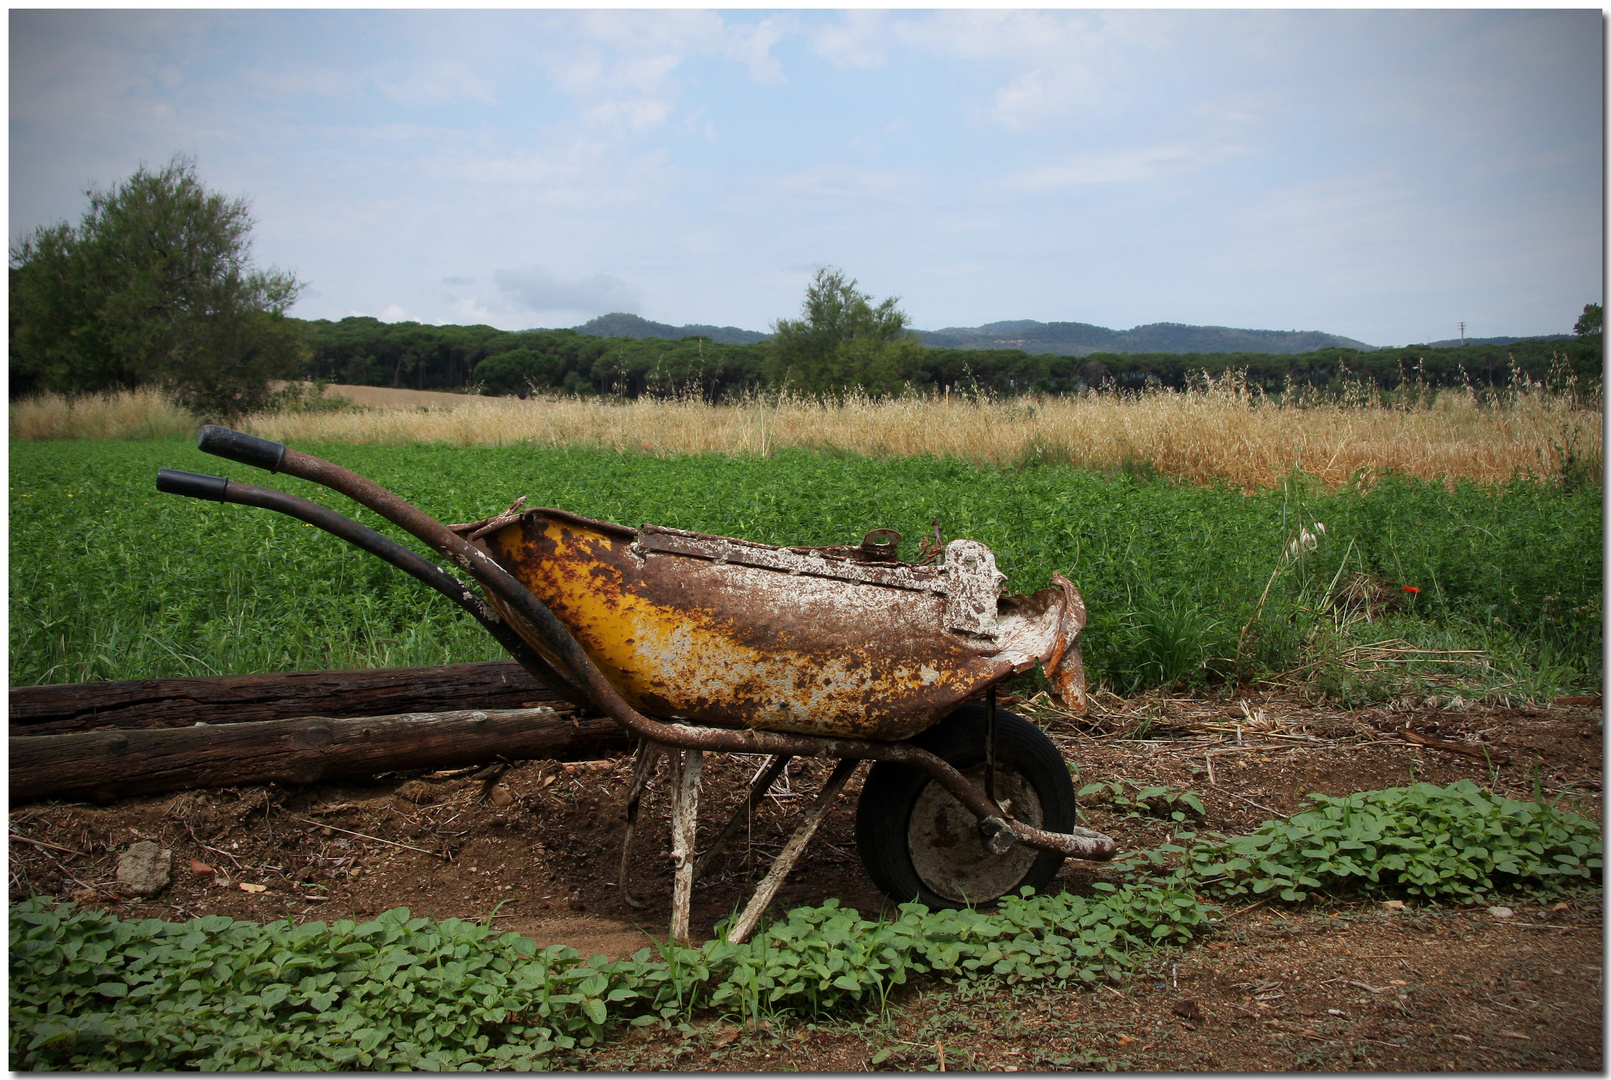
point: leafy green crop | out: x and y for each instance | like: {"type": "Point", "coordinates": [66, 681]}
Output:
{"type": "Point", "coordinates": [110, 580]}
{"type": "Point", "coordinates": [1455, 842]}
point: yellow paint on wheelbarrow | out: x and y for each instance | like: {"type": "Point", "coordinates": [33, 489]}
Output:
{"type": "Point", "coordinates": [809, 640]}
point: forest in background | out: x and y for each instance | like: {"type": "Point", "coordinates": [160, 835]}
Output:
{"type": "Point", "coordinates": [155, 286]}
{"type": "Point", "coordinates": [367, 352]}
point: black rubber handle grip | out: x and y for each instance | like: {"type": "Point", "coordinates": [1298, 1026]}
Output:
{"type": "Point", "coordinates": [195, 485]}
{"type": "Point", "coordinates": [241, 447]}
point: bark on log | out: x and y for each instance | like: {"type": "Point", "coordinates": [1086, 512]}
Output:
{"type": "Point", "coordinates": [105, 765]}
{"type": "Point", "coordinates": [160, 703]}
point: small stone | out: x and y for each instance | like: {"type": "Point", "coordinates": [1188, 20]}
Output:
{"type": "Point", "coordinates": [143, 870]}
{"type": "Point", "coordinates": [1501, 912]}
{"type": "Point", "coordinates": [500, 796]}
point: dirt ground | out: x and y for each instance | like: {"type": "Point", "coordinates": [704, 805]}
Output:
{"type": "Point", "coordinates": [535, 846]}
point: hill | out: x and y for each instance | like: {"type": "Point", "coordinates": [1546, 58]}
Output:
{"type": "Point", "coordinates": [1060, 338]}
{"type": "Point", "coordinates": [1455, 343]}
{"type": "Point", "coordinates": [618, 324]}
{"type": "Point", "coordinates": [1082, 339]}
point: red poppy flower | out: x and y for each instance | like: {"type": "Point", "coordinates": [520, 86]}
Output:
{"type": "Point", "coordinates": [1409, 588]}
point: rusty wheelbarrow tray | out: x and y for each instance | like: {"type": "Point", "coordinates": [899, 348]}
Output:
{"type": "Point", "coordinates": [694, 642]}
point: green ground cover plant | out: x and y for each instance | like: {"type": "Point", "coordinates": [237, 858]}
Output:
{"type": "Point", "coordinates": [92, 992]}
{"type": "Point", "coordinates": [1130, 799]}
{"type": "Point", "coordinates": [1455, 843]}
{"type": "Point", "coordinates": [1185, 585]}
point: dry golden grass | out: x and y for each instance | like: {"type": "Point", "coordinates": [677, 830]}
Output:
{"type": "Point", "coordinates": [131, 414]}
{"type": "Point", "coordinates": [1218, 430]}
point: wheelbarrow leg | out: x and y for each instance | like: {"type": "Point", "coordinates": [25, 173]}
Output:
{"type": "Point", "coordinates": [791, 851]}
{"type": "Point", "coordinates": [685, 768]}
{"type": "Point", "coordinates": [763, 784]}
{"type": "Point", "coordinates": [643, 769]}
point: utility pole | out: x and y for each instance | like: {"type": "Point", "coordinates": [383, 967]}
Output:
{"type": "Point", "coordinates": [1462, 333]}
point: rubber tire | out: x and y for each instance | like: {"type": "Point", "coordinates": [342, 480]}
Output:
{"type": "Point", "coordinates": [891, 792]}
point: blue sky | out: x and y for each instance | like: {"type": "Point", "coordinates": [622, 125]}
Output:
{"type": "Point", "coordinates": [1378, 174]}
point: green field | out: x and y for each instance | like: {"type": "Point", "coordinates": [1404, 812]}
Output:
{"type": "Point", "coordinates": [111, 580]}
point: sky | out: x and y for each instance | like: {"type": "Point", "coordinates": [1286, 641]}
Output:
{"type": "Point", "coordinates": [1384, 175]}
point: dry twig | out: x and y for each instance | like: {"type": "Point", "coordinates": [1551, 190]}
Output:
{"type": "Point", "coordinates": [376, 839]}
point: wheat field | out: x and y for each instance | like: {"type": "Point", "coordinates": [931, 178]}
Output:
{"type": "Point", "coordinates": [1216, 431]}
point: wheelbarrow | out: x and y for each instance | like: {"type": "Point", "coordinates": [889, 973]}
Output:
{"type": "Point", "coordinates": [697, 643]}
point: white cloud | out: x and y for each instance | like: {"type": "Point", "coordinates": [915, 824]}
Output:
{"type": "Point", "coordinates": [1124, 166]}
{"type": "Point", "coordinates": [832, 181]}
{"type": "Point", "coordinates": [1056, 64]}
{"type": "Point", "coordinates": [441, 81]}
{"type": "Point", "coordinates": [537, 289]}
{"type": "Point", "coordinates": [1036, 97]}
{"type": "Point", "coordinates": [860, 41]}
{"type": "Point", "coordinates": [621, 68]}
{"type": "Point", "coordinates": [752, 46]}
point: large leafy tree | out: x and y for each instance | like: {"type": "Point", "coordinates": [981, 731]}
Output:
{"type": "Point", "coordinates": [842, 340]}
{"type": "Point", "coordinates": [1591, 321]}
{"type": "Point", "coordinates": [154, 286]}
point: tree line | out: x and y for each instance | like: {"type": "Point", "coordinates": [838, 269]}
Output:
{"type": "Point", "coordinates": [481, 359]}
{"type": "Point", "coordinates": [155, 286]}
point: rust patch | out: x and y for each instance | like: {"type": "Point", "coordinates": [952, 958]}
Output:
{"type": "Point", "coordinates": [809, 641]}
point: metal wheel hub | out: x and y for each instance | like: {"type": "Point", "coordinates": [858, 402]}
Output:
{"type": "Point", "coordinates": [943, 839]}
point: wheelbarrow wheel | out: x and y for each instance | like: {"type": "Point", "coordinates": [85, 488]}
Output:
{"type": "Point", "coordinates": [918, 843]}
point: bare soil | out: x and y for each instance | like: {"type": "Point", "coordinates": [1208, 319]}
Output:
{"type": "Point", "coordinates": [535, 847]}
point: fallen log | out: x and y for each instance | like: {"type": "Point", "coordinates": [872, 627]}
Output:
{"type": "Point", "coordinates": [105, 765]}
{"type": "Point", "coordinates": [236, 699]}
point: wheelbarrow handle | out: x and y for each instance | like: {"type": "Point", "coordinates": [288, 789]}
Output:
{"type": "Point", "coordinates": [194, 485]}
{"type": "Point", "coordinates": [219, 489]}
{"type": "Point", "coordinates": [239, 446]}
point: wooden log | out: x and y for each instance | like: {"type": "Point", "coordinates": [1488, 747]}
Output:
{"type": "Point", "coordinates": [159, 703]}
{"type": "Point", "coordinates": [105, 765]}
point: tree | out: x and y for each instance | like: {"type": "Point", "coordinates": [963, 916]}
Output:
{"type": "Point", "coordinates": [519, 372]}
{"type": "Point", "coordinates": [154, 286]}
{"type": "Point", "coordinates": [842, 341]}
{"type": "Point", "coordinates": [1591, 321]}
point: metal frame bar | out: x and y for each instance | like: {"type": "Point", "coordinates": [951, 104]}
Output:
{"type": "Point", "coordinates": [645, 759]}
{"type": "Point", "coordinates": [792, 850]}
{"type": "Point", "coordinates": [763, 784]}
